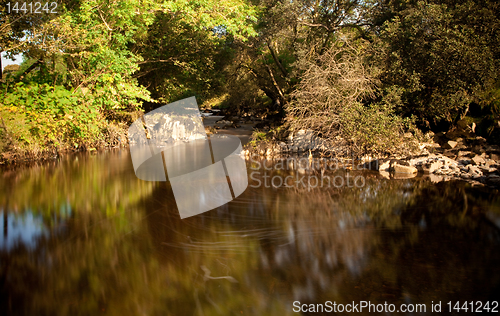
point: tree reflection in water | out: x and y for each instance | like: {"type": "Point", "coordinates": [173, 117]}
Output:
{"type": "Point", "coordinates": [124, 249]}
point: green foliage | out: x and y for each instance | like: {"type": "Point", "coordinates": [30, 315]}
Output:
{"type": "Point", "coordinates": [258, 137]}
{"type": "Point", "coordinates": [374, 129]}
{"type": "Point", "coordinates": [444, 55]}
{"type": "Point", "coordinates": [43, 115]}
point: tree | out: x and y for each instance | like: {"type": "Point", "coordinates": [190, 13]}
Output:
{"type": "Point", "coordinates": [443, 54]}
{"type": "Point", "coordinates": [287, 31]}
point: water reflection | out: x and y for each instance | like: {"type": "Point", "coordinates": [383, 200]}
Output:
{"type": "Point", "coordinates": [125, 250]}
{"type": "Point", "coordinates": [20, 230]}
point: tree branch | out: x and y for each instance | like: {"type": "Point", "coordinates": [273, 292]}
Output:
{"type": "Point", "coordinates": [275, 58]}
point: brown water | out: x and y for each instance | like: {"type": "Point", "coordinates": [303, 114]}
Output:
{"type": "Point", "coordinates": [83, 236]}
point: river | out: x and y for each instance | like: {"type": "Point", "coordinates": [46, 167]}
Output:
{"type": "Point", "coordinates": [81, 235]}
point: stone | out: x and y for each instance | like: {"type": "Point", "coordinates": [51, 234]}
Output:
{"type": "Point", "coordinates": [465, 153]}
{"type": "Point", "coordinates": [377, 164]}
{"type": "Point", "coordinates": [478, 160]}
{"type": "Point", "coordinates": [473, 170]}
{"type": "Point", "coordinates": [384, 165]}
{"type": "Point", "coordinates": [450, 144]}
{"type": "Point", "coordinates": [431, 167]}
{"type": "Point", "coordinates": [464, 162]}
{"type": "Point", "coordinates": [400, 169]}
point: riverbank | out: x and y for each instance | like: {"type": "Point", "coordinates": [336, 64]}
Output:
{"type": "Point", "coordinates": [456, 155]}
{"type": "Point", "coordinates": [20, 148]}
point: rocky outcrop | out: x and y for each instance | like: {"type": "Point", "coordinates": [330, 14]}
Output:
{"type": "Point", "coordinates": [402, 169]}
{"type": "Point", "coordinates": [477, 170]}
{"type": "Point", "coordinates": [457, 154]}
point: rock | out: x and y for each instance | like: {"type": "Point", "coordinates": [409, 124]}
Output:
{"type": "Point", "coordinates": [431, 167]}
{"type": "Point", "coordinates": [400, 169]}
{"type": "Point", "coordinates": [478, 160]}
{"type": "Point", "coordinates": [464, 162]}
{"type": "Point", "coordinates": [450, 144]}
{"type": "Point", "coordinates": [378, 165]}
{"type": "Point", "coordinates": [495, 157]}
{"type": "Point", "coordinates": [472, 170]}
{"type": "Point", "coordinates": [400, 162]}
{"type": "Point", "coordinates": [465, 153]}
{"type": "Point", "coordinates": [480, 140]}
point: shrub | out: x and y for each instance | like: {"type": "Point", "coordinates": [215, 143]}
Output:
{"type": "Point", "coordinates": [331, 99]}
{"type": "Point", "coordinates": [48, 116]}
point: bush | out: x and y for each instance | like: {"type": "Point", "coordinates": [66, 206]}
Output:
{"type": "Point", "coordinates": [332, 96]}
{"type": "Point", "coordinates": [38, 117]}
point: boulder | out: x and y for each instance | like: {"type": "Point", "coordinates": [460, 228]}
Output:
{"type": "Point", "coordinates": [465, 153]}
{"type": "Point", "coordinates": [450, 144]}
{"type": "Point", "coordinates": [378, 165]}
{"type": "Point", "coordinates": [400, 169]}
{"type": "Point", "coordinates": [429, 168]}
{"type": "Point", "coordinates": [486, 169]}
{"type": "Point", "coordinates": [472, 170]}
{"type": "Point", "coordinates": [384, 165]}
{"type": "Point", "coordinates": [478, 160]}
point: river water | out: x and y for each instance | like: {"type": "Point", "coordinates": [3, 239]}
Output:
{"type": "Point", "coordinates": [81, 235]}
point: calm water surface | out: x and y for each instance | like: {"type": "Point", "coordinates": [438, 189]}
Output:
{"type": "Point", "coordinates": [83, 236]}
